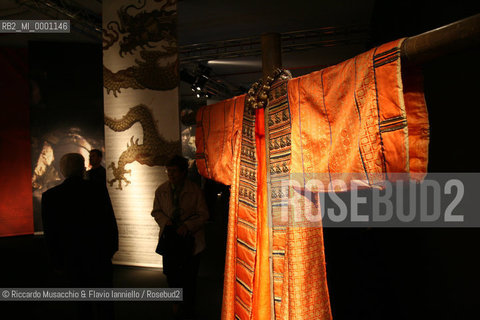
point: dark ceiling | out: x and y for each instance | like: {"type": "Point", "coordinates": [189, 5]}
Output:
{"type": "Point", "coordinates": [337, 29]}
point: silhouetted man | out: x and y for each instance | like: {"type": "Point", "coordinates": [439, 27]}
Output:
{"type": "Point", "coordinates": [97, 173]}
{"type": "Point", "coordinates": [80, 230]}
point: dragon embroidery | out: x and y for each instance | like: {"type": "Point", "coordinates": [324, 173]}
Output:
{"type": "Point", "coordinates": [154, 151]}
{"type": "Point", "coordinates": [140, 30]}
{"type": "Point", "coordinates": [146, 74]}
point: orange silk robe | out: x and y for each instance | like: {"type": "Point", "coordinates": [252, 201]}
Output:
{"type": "Point", "coordinates": [354, 117]}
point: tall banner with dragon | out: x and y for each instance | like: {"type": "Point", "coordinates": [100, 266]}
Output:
{"type": "Point", "coordinates": [140, 79]}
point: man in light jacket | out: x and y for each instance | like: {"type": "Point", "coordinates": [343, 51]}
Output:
{"type": "Point", "coordinates": [180, 210]}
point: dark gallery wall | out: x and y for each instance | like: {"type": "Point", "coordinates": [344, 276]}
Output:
{"type": "Point", "coordinates": [70, 84]}
{"type": "Point", "coordinates": [15, 186]}
{"type": "Point", "coordinates": [66, 109]}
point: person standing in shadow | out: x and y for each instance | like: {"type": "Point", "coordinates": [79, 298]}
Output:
{"type": "Point", "coordinates": [97, 173]}
{"type": "Point", "coordinates": [180, 210]}
{"type": "Point", "coordinates": [81, 234]}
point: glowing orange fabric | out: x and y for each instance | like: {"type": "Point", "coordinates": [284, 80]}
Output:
{"type": "Point", "coordinates": [355, 117]}
{"type": "Point", "coordinates": [261, 306]}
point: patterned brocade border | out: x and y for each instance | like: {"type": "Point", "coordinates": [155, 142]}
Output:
{"type": "Point", "coordinates": [247, 226]}
{"type": "Point", "coordinates": [278, 126]}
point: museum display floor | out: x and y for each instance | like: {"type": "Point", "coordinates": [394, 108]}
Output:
{"type": "Point", "coordinates": [24, 263]}
{"type": "Point", "coordinates": [372, 274]}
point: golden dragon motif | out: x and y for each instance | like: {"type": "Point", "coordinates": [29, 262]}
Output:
{"type": "Point", "coordinates": [154, 151]}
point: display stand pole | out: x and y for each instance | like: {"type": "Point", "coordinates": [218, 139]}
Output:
{"type": "Point", "coordinates": [454, 37]}
{"type": "Point", "coordinates": [271, 53]}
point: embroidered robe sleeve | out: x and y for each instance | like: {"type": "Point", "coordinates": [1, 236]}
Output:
{"type": "Point", "coordinates": [363, 119]}
{"type": "Point", "coordinates": [217, 135]}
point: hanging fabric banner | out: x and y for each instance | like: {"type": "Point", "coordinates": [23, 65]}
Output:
{"type": "Point", "coordinates": [15, 189]}
{"type": "Point", "coordinates": [140, 79]}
